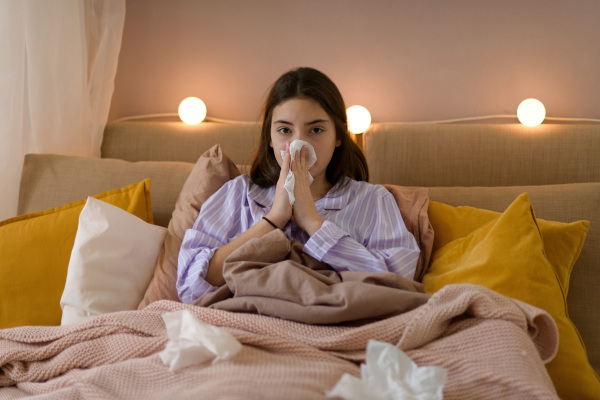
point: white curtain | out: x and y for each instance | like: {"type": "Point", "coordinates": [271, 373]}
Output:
{"type": "Point", "coordinates": [58, 61]}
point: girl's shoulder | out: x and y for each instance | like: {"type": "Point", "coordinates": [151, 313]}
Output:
{"type": "Point", "coordinates": [359, 193]}
{"type": "Point", "coordinates": [239, 182]}
{"type": "Point", "coordinates": [234, 187]}
{"type": "Point", "coordinates": [366, 188]}
{"type": "Point", "coordinates": [243, 187]}
{"type": "Point", "coordinates": [242, 179]}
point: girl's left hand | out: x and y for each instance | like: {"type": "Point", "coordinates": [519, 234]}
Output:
{"type": "Point", "coordinates": [305, 212]}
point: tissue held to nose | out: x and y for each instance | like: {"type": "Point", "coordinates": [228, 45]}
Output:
{"type": "Point", "coordinates": [295, 146]}
{"type": "Point", "coordinates": [193, 342]}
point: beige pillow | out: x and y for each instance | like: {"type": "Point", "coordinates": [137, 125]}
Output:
{"type": "Point", "coordinates": [111, 264]}
{"type": "Point", "coordinates": [211, 171]}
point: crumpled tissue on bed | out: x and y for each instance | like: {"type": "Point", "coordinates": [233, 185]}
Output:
{"type": "Point", "coordinates": [388, 373]}
{"type": "Point", "coordinates": [295, 146]}
{"type": "Point", "coordinates": [193, 342]}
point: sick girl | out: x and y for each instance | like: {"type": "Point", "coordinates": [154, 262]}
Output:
{"type": "Point", "coordinates": [341, 219]}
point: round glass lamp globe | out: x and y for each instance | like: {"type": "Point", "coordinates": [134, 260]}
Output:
{"type": "Point", "coordinates": [192, 111]}
{"type": "Point", "coordinates": [531, 112]}
{"type": "Point", "coordinates": [359, 119]}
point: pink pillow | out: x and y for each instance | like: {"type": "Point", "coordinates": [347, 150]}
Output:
{"type": "Point", "coordinates": [413, 204]}
{"type": "Point", "coordinates": [213, 169]}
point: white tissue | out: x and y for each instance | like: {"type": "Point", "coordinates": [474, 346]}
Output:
{"type": "Point", "coordinates": [389, 373]}
{"type": "Point", "coordinates": [193, 342]}
{"type": "Point", "coordinates": [289, 179]}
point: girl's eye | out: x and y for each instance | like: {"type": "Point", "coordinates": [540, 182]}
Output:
{"type": "Point", "coordinates": [284, 130]}
{"type": "Point", "coordinates": [317, 130]}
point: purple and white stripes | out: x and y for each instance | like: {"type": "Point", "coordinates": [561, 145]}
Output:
{"type": "Point", "coordinates": [363, 231]}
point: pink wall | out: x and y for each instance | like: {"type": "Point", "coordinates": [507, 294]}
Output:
{"type": "Point", "coordinates": [403, 60]}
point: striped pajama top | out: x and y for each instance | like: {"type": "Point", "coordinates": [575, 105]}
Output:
{"type": "Point", "coordinates": [362, 231]}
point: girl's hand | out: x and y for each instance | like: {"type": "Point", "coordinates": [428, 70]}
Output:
{"type": "Point", "coordinates": [281, 212]}
{"type": "Point", "coordinates": [305, 212]}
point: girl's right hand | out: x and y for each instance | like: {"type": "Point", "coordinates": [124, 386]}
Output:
{"type": "Point", "coordinates": [281, 212]}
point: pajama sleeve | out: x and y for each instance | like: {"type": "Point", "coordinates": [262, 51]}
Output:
{"type": "Point", "coordinates": [218, 222]}
{"type": "Point", "coordinates": [386, 245]}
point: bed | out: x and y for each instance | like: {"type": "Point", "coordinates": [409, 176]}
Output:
{"type": "Point", "coordinates": [505, 301]}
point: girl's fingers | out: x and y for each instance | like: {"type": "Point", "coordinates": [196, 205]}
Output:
{"type": "Point", "coordinates": [300, 162]}
{"type": "Point", "coordinates": [281, 212]}
{"type": "Point", "coordinates": [305, 153]}
{"type": "Point", "coordinates": [304, 157]}
{"type": "Point", "coordinates": [285, 167]}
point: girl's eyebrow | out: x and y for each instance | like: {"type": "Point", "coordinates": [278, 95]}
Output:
{"type": "Point", "coordinates": [316, 121]}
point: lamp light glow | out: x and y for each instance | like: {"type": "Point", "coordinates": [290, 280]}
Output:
{"type": "Point", "coordinates": [192, 111]}
{"type": "Point", "coordinates": [359, 119]}
{"type": "Point", "coordinates": [531, 112]}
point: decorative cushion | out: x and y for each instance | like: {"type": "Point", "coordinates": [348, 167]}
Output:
{"type": "Point", "coordinates": [111, 264]}
{"type": "Point", "coordinates": [35, 250]}
{"type": "Point", "coordinates": [211, 171]}
{"type": "Point", "coordinates": [413, 205]}
{"type": "Point", "coordinates": [562, 241]}
{"type": "Point", "coordinates": [507, 255]}
{"type": "Point", "coordinates": [563, 203]}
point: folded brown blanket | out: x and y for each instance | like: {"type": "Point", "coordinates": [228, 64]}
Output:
{"type": "Point", "coordinates": [272, 276]}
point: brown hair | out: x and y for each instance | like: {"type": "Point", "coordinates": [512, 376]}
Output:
{"type": "Point", "coordinates": [347, 160]}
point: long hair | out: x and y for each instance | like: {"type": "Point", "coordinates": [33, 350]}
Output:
{"type": "Point", "coordinates": [347, 160]}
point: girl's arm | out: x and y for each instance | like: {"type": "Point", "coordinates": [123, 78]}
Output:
{"type": "Point", "coordinates": [280, 214]}
{"type": "Point", "coordinates": [206, 246]}
{"type": "Point", "coordinates": [214, 274]}
{"type": "Point", "coordinates": [388, 246]}
{"type": "Point", "coordinates": [220, 218]}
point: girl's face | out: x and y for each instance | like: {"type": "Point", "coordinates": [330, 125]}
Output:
{"type": "Point", "coordinates": [304, 119]}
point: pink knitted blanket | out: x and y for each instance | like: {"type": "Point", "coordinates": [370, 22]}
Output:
{"type": "Point", "coordinates": [494, 348]}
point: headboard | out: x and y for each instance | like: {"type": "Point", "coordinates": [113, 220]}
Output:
{"type": "Point", "coordinates": [483, 154]}
{"type": "Point", "coordinates": [176, 141]}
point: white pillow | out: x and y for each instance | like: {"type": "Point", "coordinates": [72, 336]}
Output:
{"type": "Point", "coordinates": [112, 262]}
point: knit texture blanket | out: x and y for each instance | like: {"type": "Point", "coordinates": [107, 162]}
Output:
{"type": "Point", "coordinates": [493, 347]}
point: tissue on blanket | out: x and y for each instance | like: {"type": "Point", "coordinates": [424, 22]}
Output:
{"type": "Point", "coordinates": [295, 146]}
{"type": "Point", "coordinates": [389, 373]}
{"type": "Point", "coordinates": [193, 342]}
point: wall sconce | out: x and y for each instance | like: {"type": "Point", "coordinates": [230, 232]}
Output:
{"type": "Point", "coordinates": [359, 119]}
{"type": "Point", "coordinates": [531, 112]}
{"type": "Point", "coordinates": [192, 111]}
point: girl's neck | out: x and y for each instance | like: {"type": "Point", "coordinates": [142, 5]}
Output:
{"type": "Point", "coordinates": [319, 188]}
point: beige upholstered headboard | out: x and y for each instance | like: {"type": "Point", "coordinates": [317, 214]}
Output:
{"type": "Point", "coordinates": [175, 141]}
{"type": "Point", "coordinates": [407, 154]}
{"type": "Point", "coordinates": [483, 154]}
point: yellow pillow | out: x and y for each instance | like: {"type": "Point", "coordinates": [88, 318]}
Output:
{"type": "Point", "coordinates": [507, 255]}
{"type": "Point", "coordinates": [35, 251]}
{"type": "Point", "coordinates": [562, 241]}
